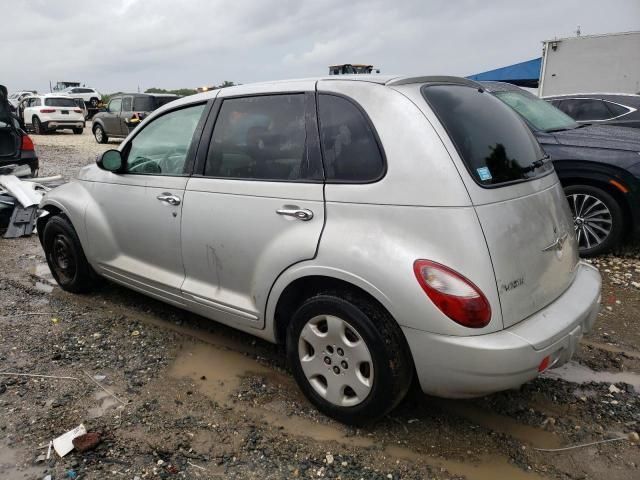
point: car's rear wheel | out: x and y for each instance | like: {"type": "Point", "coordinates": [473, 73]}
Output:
{"type": "Point", "coordinates": [99, 133]}
{"type": "Point", "coordinates": [349, 357]}
{"type": "Point", "coordinates": [37, 126]}
{"type": "Point", "coordinates": [598, 219]}
{"type": "Point", "coordinates": [65, 257]}
{"type": "Point", "coordinates": [78, 131]}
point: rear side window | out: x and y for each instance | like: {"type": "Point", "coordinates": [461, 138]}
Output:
{"type": "Point", "coordinates": [143, 104]}
{"type": "Point", "coordinates": [261, 138]}
{"type": "Point", "coordinates": [586, 109]}
{"type": "Point", "coordinates": [60, 102]}
{"type": "Point", "coordinates": [350, 150]}
{"type": "Point", "coordinates": [616, 110]}
{"type": "Point", "coordinates": [494, 143]}
{"type": "Point", "coordinates": [126, 104]}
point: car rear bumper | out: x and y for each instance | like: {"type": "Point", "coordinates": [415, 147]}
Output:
{"type": "Point", "coordinates": [462, 367]}
{"type": "Point", "coordinates": [64, 124]}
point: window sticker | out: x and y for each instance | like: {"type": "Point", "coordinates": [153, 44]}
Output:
{"type": "Point", "coordinates": [484, 173]}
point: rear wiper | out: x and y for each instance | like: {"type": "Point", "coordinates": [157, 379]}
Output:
{"type": "Point", "coordinates": [536, 164]}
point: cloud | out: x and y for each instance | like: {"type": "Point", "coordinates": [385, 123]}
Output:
{"type": "Point", "coordinates": [123, 44]}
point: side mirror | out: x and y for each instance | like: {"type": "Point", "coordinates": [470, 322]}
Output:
{"type": "Point", "coordinates": [111, 160]}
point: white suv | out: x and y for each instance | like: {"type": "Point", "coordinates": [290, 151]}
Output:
{"type": "Point", "coordinates": [89, 95]}
{"type": "Point", "coordinates": [45, 113]}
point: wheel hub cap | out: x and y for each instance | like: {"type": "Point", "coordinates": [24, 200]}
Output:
{"type": "Point", "coordinates": [336, 360]}
{"type": "Point", "coordinates": [592, 219]}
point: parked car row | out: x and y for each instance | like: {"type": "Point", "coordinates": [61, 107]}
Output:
{"type": "Point", "coordinates": [380, 228]}
{"type": "Point", "coordinates": [598, 165]}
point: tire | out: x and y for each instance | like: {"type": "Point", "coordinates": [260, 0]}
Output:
{"type": "Point", "coordinates": [99, 133]}
{"type": "Point", "coordinates": [94, 102]}
{"type": "Point", "coordinates": [598, 219]}
{"type": "Point", "coordinates": [328, 375]}
{"type": "Point", "coordinates": [78, 131]}
{"type": "Point", "coordinates": [37, 126]}
{"type": "Point", "coordinates": [65, 257]}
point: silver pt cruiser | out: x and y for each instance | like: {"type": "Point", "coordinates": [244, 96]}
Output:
{"type": "Point", "coordinates": [382, 228]}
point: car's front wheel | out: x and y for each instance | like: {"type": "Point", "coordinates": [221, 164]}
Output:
{"type": "Point", "coordinates": [65, 256]}
{"type": "Point", "coordinates": [349, 357]}
{"type": "Point", "coordinates": [598, 219]}
{"type": "Point", "coordinates": [99, 133]}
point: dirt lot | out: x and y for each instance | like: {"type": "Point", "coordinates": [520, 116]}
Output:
{"type": "Point", "coordinates": [176, 396]}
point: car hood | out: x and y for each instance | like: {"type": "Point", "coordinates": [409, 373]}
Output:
{"type": "Point", "coordinates": [601, 136]}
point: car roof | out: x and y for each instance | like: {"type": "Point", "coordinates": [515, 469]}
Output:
{"type": "Point", "coordinates": [312, 82]}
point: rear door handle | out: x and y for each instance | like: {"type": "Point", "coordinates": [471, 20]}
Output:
{"type": "Point", "coordinates": [169, 198]}
{"type": "Point", "coordinates": [303, 214]}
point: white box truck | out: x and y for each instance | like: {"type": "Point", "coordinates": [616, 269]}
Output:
{"type": "Point", "coordinates": [591, 64]}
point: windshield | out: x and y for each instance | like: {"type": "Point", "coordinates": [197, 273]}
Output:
{"type": "Point", "coordinates": [492, 140]}
{"type": "Point", "coordinates": [540, 114]}
{"type": "Point", "coordinates": [60, 102]}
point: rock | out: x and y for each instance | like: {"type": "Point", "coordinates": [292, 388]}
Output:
{"type": "Point", "coordinates": [634, 438]}
{"type": "Point", "coordinates": [160, 462]}
{"type": "Point", "coordinates": [329, 459]}
{"type": "Point", "coordinates": [41, 458]}
{"type": "Point", "coordinates": [85, 442]}
{"type": "Point", "coordinates": [549, 423]}
{"type": "Point", "coordinates": [135, 333]}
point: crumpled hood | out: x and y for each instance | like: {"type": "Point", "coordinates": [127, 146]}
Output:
{"type": "Point", "coordinates": [601, 136]}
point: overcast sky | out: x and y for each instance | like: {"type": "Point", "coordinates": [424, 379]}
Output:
{"type": "Point", "coordinates": [120, 45]}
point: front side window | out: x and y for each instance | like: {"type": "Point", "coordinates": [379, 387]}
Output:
{"type": "Point", "coordinates": [115, 105]}
{"type": "Point", "coordinates": [540, 114]}
{"type": "Point", "coordinates": [492, 140]}
{"type": "Point", "coordinates": [260, 138]}
{"type": "Point", "coordinates": [586, 109]}
{"type": "Point", "coordinates": [161, 148]}
{"type": "Point", "coordinates": [351, 152]}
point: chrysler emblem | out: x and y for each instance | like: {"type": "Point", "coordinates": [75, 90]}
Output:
{"type": "Point", "coordinates": [557, 244]}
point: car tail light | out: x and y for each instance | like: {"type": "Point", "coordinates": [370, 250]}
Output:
{"type": "Point", "coordinates": [47, 110]}
{"type": "Point", "coordinates": [456, 296]}
{"type": "Point", "coordinates": [27, 144]}
{"type": "Point", "coordinates": [77, 110]}
{"type": "Point", "coordinates": [544, 364]}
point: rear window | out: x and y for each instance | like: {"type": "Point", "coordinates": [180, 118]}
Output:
{"type": "Point", "coordinates": [492, 140]}
{"type": "Point", "coordinates": [60, 102]}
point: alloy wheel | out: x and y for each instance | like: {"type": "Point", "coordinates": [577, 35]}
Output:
{"type": "Point", "coordinates": [592, 219]}
{"type": "Point", "coordinates": [98, 133]}
{"type": "Point", "coordinates": [336, 360]}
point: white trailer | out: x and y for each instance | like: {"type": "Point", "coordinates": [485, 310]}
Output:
{"type": "Point", "coordinates": [591, 63]}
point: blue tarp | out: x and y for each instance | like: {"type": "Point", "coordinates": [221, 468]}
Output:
{"type": "Point", "coordinates": [528, 71]}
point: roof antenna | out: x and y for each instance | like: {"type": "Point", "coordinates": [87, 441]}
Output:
{"type": "Point", "coordinates": [578, 31]}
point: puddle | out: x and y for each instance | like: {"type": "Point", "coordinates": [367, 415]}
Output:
{"type": "Point", "coordinates": [105, 403]}
{"type": "Point", "coordinates": [9, 468]}
{"type": "Point", "coordinates": [489, 467]}
{"type": "Point", "coordinates": [575, 373]}
{"type": "Point", "coordinates": [500, 423]}
{"type": "Point", "coordinates": [45, 281]}
{"type": "Point", "coordinates": [224, 368]}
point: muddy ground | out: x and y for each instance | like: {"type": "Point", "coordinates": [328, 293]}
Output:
{"type": "Point", "coordinates": [176, 396]}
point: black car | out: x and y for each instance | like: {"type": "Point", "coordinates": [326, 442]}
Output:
{"type": "Point", "coordinates": [598, 165]}
{"type": "Point", "coordinates": [601, 108]}
{"type": "Point", "coordinates": [124, 112]}
{"type": "Point", "coordinates": [17, 153]}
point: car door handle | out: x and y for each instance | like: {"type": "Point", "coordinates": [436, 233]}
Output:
{"type": "Point", "coordinates": [303, 214]}
{"type": "Point", "coordinates": [169, 198]}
